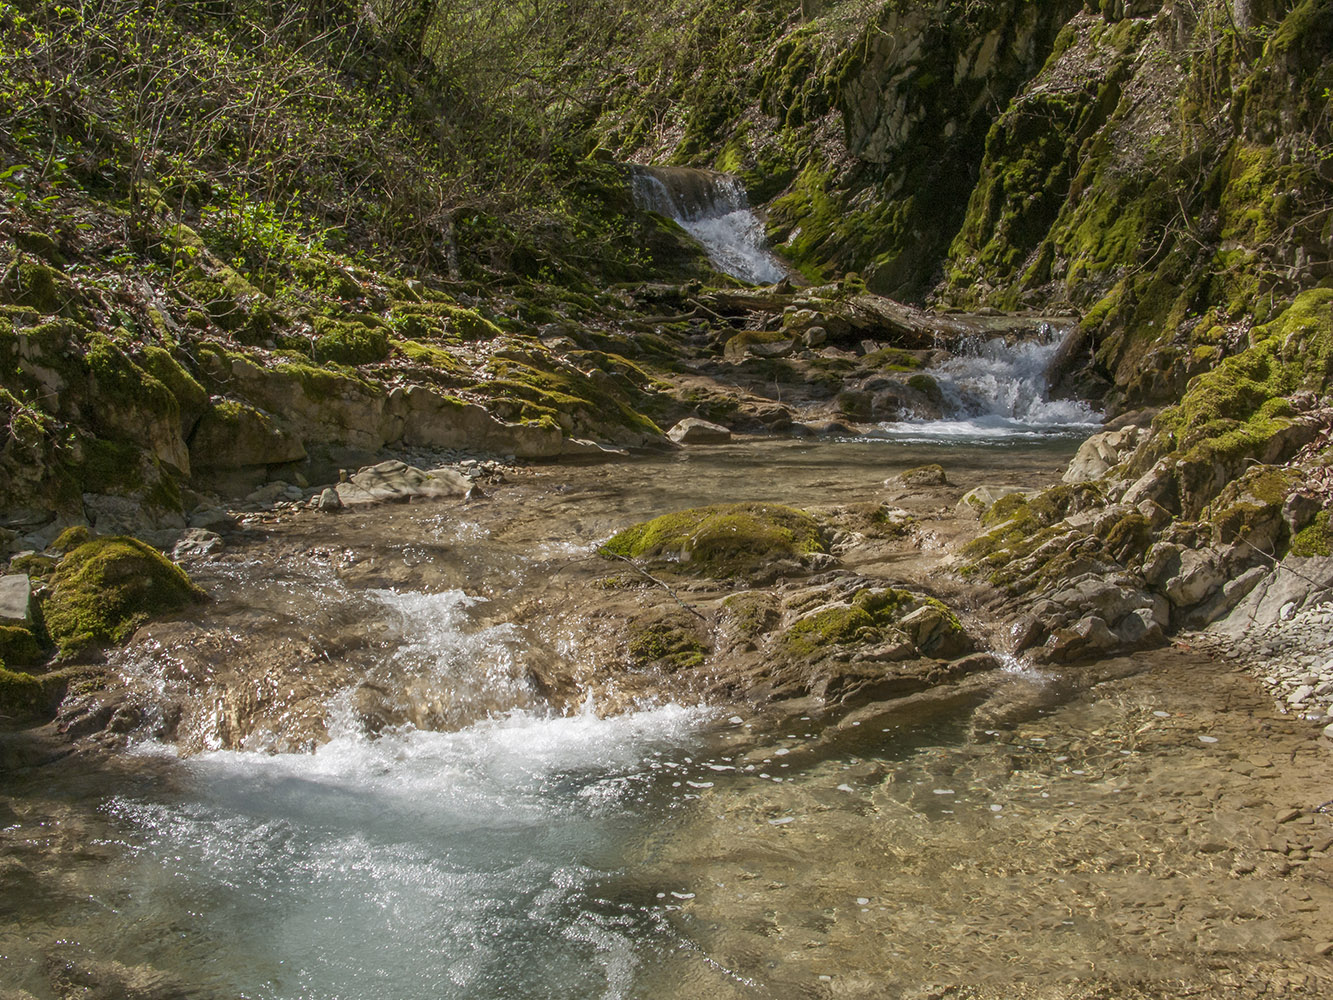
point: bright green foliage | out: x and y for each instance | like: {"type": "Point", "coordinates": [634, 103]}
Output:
{"type": "Point", "coordinates": [105, 589]}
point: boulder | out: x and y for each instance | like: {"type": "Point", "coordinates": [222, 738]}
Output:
{"type": "Point", "coordinates": [196, 543]}
{"type": "Point", "coordinates": [424, 418]}
{"type": "Point", "coordinates": [924, 475]}
{"type": "Point", "coordinates": [398, 482]}
{"type": "Point", "coordinates": [235, 435]}
{"type": "Point", "coordinates": [723, 539]}
{"type": "Point", "coordinates": [935, 631]}
{"type": "Point", "coordinates": [1089, 637]}
{"type": "Point", "coordinates": [1199, 575]}
{"type": "Point", "coordinates": [1109, 600]}
{"type": "Point", "coordinates": [103, 590]}
{"type": "Point", "coordinates": [212, 518]}
{"type": "Point", "coordinates": [1102, 452]}
{"type": "Point", "coordinates": [692, 430]}
{"type": "Point", "coordinates": [977, 501]}
{"type": "Point", "coordinates": [15, 599]}
{"type": "Point", "coordinates": [1297, 582]}
{"type": "Point", "coordinates": [1139, 630]}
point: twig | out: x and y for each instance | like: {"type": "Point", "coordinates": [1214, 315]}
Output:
{"type": "Point", "coordinates": [1279, 565]}
{"type": "Point", "coordinates": [649, 576]}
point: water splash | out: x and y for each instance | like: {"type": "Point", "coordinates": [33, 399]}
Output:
{"type": "Point", "coordinates": [714, 209]}
{"type": "Point", "coordinates": [997, 388]}
{"type": "Point", "coordinates": [448, 853]}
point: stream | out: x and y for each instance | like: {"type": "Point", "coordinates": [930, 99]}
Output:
{"type": "Point", "coordinates": [1108, 824]}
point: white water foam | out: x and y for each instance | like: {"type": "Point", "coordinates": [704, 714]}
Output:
{"type": "Point", "coordinates": [415, 865]}
{"type": "Point", "coordinates": [996, 389]}
{"type": "Point", "coordinates": [717, 213]}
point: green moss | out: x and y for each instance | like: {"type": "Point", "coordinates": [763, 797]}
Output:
{"type": "Point", "coordinates": [191, 397]}
{"type": "Point", "coordinates": [893, 359]}
{"type": "Point", "coordinates": [105, 589]}
{"type": "Point", "coordinates": [24, 696]}
{"type": "Point", "coordinates": [553, 389]}
{"type": "Point", "coordinates": [29, 282]}
{"type": "Point", "coordinates": [842, 625]}
{"type": "Point", "coordinates": [723, 539]}
{"type": "Point", "coordinates": [738, 346]}
{"type": "Point", "coordinates": [19, 647]}
{"type": "Point", "coordinates": [1128, 537]}
{"type": "Point", "coordinates": [667, 645]}
{"type": "Point", "coordinates": [1316, 538]}
{"type": "Point", "coordinates": [1237, 412]}
{"type": "Point", "coordinates": [752, 614]}
{"type": "Point", "coordinates": [861, 620]}
{"type": "Point", "coordinates": [431, 356]}
{"type": "Point", "coordinates": [36, 565]}
{"type": "Point", "coordinates": [71, 538]}
{"type": "Point", "coordinates": [1007, 508]}
{"type": "Point", "coordinates": [350, 342]}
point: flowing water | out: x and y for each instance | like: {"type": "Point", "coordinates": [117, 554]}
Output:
{"type": "Point", "coordinates": [714, 209]}
{"type": "Point", "coordinates": [1101, 825]}
{"type": "Point", "coordinates": [997, 388]}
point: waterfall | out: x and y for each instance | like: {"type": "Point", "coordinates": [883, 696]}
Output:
{"type": "Point", "coordinates": [713, 208]}
{"type": "Point", "coordinates": [997, 388]}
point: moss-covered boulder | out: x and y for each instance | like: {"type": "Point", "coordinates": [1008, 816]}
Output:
{"type": "Point", "coordinates": [914, 625]}
{"type": "Point", "coordinates": [105, 589]}
{"type": "Point", "coordinates": [19, 646]}
{"type": "Point", "coordinates": [722, 540]}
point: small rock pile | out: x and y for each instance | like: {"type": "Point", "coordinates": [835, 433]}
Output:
{"type": "Point", "coordinates": [1293, 658]}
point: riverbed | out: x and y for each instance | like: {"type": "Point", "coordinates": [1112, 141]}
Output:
{"type": "Point", "coordinates": [1118, 829]}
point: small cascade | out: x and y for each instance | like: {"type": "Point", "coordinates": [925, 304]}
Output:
{"type": "Point", "coordinates": [714, 209]}
{"type": "Point", "coordinates": [998, 388]}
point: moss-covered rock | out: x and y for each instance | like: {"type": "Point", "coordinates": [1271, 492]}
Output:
{"type": "Point", "coordinates": [723, 539]}
{"type": "Point", "coordinates": [1316, 538]}
{"type": "Point", "coordinates": [105, 589]}
{"type": "Point", "coordinates": [350, 342]}
{"type": "Point", "coordinates": [1240, 412]}
{"type": "Point", "coordinates": [234, 435]}
{"type": "Point", "coordinates": [667, 644]}
{"type": "Point", "coordinates": [71, 538]}
{"type": "Point", "coordinates": [19, 647]}
{"type": "Point", "coordinates": [919, 626]}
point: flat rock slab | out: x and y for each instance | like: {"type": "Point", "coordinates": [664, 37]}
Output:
{"type": "Point", "coordinates": [1294, 585]}
{"type": "Point", "coordinates": [15, 599]}
{"type": "Point", "coordinates": [692, 430]}
{"type": "Point", "coordinates": [397, 482]}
